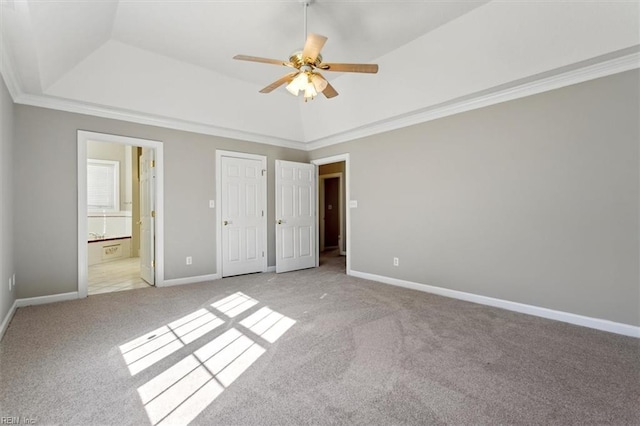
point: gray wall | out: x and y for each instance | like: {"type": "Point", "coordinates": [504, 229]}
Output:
{"type": "Point", "coordinates": [6, 213]}
{"type": "Point", "coordinates": [46, 181]}
{"type": "Point", "coordinates": [533, 200]}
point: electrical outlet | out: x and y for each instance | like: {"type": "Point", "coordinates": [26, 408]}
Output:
{"type": "Point", "coordinates": [10, 283]}
{"type": "Point", "coordinates": [189, 260]}
{"type": "Point", "coordinates": [396, 261]}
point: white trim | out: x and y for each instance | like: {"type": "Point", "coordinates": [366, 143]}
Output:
{"type": "Point", "coordinates": [6, 69]}
{"type": "Point", "coordinates": [347, 184]}
{"type": "Point", "coordinates": [191, 280]}
{"type": "Point", "coordinates": [263, 159]}
{"type": "Point", "coordinates": [7, 319]}
{"type": "Point", "coordinates": [597, 323]}
{"type": "Point", "coordinates": [559, 80]}
{"type": "Point", "coordinates": [20, 303]}
{"type": "Point", "coordinates": [562, 79]}
{"type": "Point", "coordinates": [83, 137]}
{"type": "Point", "coordinates": [43, 300]}
{"type": "Point", "coordinates": [46, 101]}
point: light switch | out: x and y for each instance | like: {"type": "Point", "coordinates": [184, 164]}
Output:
{"type": "Point", "coordinates": [353, 204]}
{"type": "Point", "coordinates": [212, 204]}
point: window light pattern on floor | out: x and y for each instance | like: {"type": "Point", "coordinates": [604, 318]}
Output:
{"type": "Point", "coordinates": [146, 350]}
{"type": "Point", "coordinates": [179, 394]}
{"type": "Point", "coordinates": [235, 304]}
{"type": "Point", "coordinates": [268, 324]}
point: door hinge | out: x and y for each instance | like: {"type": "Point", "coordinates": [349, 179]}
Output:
{"type": "Point", "coordinates": [153, 263]}
{"type": "Point", "coordinates": [153, 213]}
{"type": "Point", "coordinates": [153, 163]}
{"type": "Point", "coordinates": [262, 213]}
{"type": "Point", "coordinates": [262, 254]}
{"type": "Point", "coordinates": [264, 172]}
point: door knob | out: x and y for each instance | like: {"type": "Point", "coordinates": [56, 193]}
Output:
{"type": "Point", "coordinates": [279, 222]}
{"type": "Point", "coordinates": [225, 223]}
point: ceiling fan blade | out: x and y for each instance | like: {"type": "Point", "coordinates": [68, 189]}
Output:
{"type": "Point", "coordinates": [262, 60]}
{"type": "Point", "coordinates": [329, 91]}
{"type": "Point", "coordinates": [324, 86]}
{"type": "Point", "coordinates": [313, 46]}
{"type": "Point", "coordinates": [319, 82]}
{"type": "Point", "coordinates": [366, 68]}
{"type": "Point", "coordinates": [282, 80]}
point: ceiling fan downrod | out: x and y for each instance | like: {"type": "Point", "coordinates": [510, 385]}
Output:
{"type": "Point", "coordinates": [305, 5]}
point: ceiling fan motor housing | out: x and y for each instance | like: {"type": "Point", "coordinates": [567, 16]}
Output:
{"type": "Point", "coordinates": [298, 61]}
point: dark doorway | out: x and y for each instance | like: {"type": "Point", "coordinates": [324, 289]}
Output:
{"type": "Point", "coordinates": [331, 212]}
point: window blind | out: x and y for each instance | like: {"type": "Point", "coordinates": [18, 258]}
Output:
{"type": "Point", "coordinates": [102, 185]}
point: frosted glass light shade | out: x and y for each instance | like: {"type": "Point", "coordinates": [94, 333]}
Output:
{"type": "Point", "coordinates": [310, 91]}
{"type": "Point", "coordinates": [319, 83]}
{"type": "Point", "coordinates": [300, 82]}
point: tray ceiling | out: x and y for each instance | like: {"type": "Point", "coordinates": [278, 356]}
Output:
{"type": "Point", "coordinates": [169, 62]}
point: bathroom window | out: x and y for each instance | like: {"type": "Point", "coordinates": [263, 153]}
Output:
{"type": "Point", "coordinates": [103, 185]}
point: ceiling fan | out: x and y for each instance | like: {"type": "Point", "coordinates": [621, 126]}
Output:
{"type": "Point", "coordinates": [307, 62]}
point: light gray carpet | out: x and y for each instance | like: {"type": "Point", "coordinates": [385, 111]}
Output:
{"type": "Point", "coordinates": [360, 352]}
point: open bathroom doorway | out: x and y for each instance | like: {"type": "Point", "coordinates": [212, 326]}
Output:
{"type": "Point", "coordinates": [119, 213]}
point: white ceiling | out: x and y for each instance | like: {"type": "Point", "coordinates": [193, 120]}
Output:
{"type": "Point", "coordinates": [169, 62]}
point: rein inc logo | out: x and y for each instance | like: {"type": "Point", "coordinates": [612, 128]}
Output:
{"type": "Point", "coordinates": [18, 420]}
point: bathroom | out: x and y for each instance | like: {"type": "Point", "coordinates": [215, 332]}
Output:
{"type": "Point", "coordinates": [113, 214]}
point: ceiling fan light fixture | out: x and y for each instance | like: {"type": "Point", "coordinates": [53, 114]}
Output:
{"type": "Point", "coordinates": [298, 83]}
{"type": "Point", "coordinates": [310, 92]}
{"type": "Point", "coordinates": [306, 61]}
{"type": "Point", "coordinates": [291, 88]}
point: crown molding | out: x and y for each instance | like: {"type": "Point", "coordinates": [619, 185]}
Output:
{"type": "Point", "coordinates": [557, 81]}
{"type": "Point", "coordinates": [45, 101]}
{"type": "Point", "coordinates": [6, 69]}
{"type": "Point", "coordinates": [479, 100]}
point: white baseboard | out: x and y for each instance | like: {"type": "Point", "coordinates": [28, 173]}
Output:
{"type": "Point", "coordinates": [190, 280]}
{"type": "Point", "coordinates": [597, 323]}
{"type": "Point", "coordinates": [42, 300]}
{"type": "Point", "coordinates": [271, 269]}
{"type": "Point", "coordinates": [30, 301]}
{"type": "Point", "coordinates": [7, 319]}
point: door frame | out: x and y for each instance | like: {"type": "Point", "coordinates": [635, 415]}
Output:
{"type": "Point", "coordinates": [347, 185]}
{"type": "Point", "coordinates": [218, 205]}
{"type": "Point", "coordinates": [83, 137]}
{"type": "Point", "coordinates": [321, 182]}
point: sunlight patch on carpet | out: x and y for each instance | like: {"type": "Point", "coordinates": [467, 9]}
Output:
{"type": "Point", "coordinates": [268, 324]}
{"type": "Point", "coordinates": [235, 304]}
{"type": "Point", "coordinates": [156, 345]}
{"type": "Point", "coordinates": [181, 392]}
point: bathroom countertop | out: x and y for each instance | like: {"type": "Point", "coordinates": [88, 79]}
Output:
{"type": "Point", "coordinates": [95, 240]}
